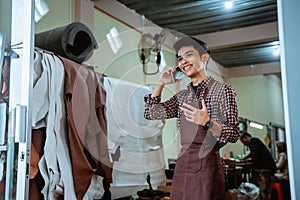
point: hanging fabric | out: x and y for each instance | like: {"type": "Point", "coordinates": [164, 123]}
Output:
{"type": "Point", "coordinates": [86, 127]}
{"type": "Point", "coordinates": [139, 140]}
{"type": "Point", "coordinates": [49, 127]}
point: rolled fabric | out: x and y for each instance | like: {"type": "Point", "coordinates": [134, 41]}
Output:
{"type": "Point", "coordinates": [74, 41]}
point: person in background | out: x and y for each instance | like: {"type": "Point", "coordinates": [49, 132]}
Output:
{"type": "Point", "coordinates": [259, 153]}
{"type": "Point", "coordinates": [207, 117]}
{"type": "Point", "coordinates": [281, 161]}
{"type": "Point", "coordinates": [282, 174]}
{"type": "Point", "coordinates": [263, 167]}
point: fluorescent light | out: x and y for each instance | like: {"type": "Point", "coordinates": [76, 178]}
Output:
{"type": "Point", "coordinates": [228, 4]}
{"type": "Point", "coordinates": [256, 125]}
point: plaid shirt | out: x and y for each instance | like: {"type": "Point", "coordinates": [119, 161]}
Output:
{"type": "Point", "coordinates": [220, 102]}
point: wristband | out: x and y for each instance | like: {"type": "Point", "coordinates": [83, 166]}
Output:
{"type": "Point", "coordinates": [208, 125]}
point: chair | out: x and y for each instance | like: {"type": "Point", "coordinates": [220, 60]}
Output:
{"type": "Point", "coordinates": [277, 187]}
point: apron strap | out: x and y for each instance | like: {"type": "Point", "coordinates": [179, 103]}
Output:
{"type": "Point", "coordinates": [208, 88]}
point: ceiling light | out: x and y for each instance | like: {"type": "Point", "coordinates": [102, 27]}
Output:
{"type": "Point", "coordinates": [228, 4]}
{"type": "Point", "coordinates": [256, 125]}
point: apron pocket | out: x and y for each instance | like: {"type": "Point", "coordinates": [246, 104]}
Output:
{"type": "Point", "coordinates": [189, 160]}
{"type": "Point", "coordinates": [212, 159]}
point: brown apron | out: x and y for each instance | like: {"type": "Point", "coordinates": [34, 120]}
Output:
{"type": "Point", "coordinates": [199, 171]}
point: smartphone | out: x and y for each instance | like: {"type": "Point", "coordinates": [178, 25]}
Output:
{"type": "Point", "coordinates": [178, 74]}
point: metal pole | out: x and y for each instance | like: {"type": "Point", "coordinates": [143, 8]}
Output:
{"type": "Point", "coordinates": [288, 13]}
{"type": "Point", "coordinates": [21, 82]}
{"type": "Point", "coordinates": [273, 138]}
{"type": "Point", "coordinates": [10, 157]}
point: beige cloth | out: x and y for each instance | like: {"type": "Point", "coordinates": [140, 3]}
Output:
{"type": "Point", "coordinates": [48, 112]}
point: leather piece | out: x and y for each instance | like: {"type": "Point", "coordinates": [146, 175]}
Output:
{"type": "Point", "coordinates": [86, 126]}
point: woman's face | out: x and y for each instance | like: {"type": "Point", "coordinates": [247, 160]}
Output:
{"type": "Point", "coordinates": [189, 61]}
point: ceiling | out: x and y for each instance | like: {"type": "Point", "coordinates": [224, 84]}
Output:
{"type": "Point", "coordinates": [204, 17]}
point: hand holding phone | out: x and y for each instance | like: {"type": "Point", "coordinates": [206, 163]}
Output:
{"type": "Point", "coordinates": [178, 74]}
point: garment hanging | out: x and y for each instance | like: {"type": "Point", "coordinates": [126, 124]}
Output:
{"type": "Point", "coordinates": [139, 140]}
{"type": "Point", "coordinates": [53, 94]}
{"type": "Point", "coordinates": [49, 126]}
{"type": "Point", "coordinates": [87, 135]}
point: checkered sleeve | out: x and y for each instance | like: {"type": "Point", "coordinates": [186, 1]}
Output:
{"type": "Point", "coordinates": [230, 122]}
{"type": "Point", "coordinates": [155, 109]}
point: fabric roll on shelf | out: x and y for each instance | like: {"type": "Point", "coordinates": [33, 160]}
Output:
{"type": "Point", "coordinates": [74, 41]}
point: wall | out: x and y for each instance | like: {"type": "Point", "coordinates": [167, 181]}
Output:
{"type": "Point", "coordinates": [5, 18]}
{"type": "Point", "coordinates": [126, 65]}
{"type": "Point", "coordinates": [260, 99]}
{"type": "Point", "coordinates": [58, 15]}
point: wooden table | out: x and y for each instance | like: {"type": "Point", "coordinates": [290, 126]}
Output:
{"type": "Point", "coordinates": [239, 171]}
